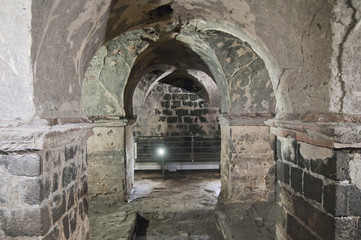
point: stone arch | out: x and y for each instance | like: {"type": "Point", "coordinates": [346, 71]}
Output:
{"type": "Point", "coordinates": [245, 88]}
{"type": "Point", "coordinates": [138, 62]}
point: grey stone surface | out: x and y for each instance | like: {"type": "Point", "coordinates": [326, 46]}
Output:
{"type": "Point", "coordinates": [23, 222]}
{"type": "Point", "coordinates": [22, 165]}
{"type": "Point", "coordinates": [15, 61]}
{"type": "Point", "coordinates": [69, 174]}
{"type": "Point", "coordinates": [30, 190]}
{"type": "Point", "coordinates": [283, 172]}
{"type": "Point", "coordinates": [335, 199]}
{"type": "Point", "coordinates": [312, 187]}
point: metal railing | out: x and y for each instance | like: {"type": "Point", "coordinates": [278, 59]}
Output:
{"type": "Point", "coordinates": [178, 149]}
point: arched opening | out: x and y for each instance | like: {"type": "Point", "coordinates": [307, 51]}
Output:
{"type": "Point", "coordinates": [214, 66]}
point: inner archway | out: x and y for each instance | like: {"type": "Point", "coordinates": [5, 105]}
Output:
{"type": "Point", "coordinates": [223, 70]}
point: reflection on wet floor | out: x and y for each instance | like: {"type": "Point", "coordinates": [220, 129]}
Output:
{"type": "Point", "coordinates": [183, 205]}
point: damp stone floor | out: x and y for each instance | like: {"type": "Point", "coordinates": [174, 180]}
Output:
{"type": "Point", "coordinates": [182, 205]}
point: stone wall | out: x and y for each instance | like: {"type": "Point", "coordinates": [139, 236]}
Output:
{"type": "Point", "coordinates": [44, 185]}
{"type": "Point", "coordinates": [173, 111]}
{"type": "Point", "coordinates": [317, 196]}
{"type": "Point", "coordinates": [247, 167]}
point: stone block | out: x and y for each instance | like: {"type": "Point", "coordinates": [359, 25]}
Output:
{"type": "Point", "coordinates": [73, 220]}
{"type": "Point", "coordinates": [196, 112]}
{"type": "Point", "coordinates": [45, 218]}
{"type": "Point", "coordinates": [278, 150]}
{"type": "Point", "coordinates": [172, 119]}
{"type": "Point", "coordinates": [354, 201]}
{"type": "Point", "coordinates": [177, 96]}
{"type": "Point", "coordinates": [58, 207]}
{"type": "Point", "coordinates": [175, 104]}
{"type": "Point", "coordinates": [182, 112]}
{"type": "Point", "coordinates": [188, 120]}
{"type": "Point", "coordinates": [283, 172]}
{"type": "Point", "coordinates": [346, 228]}
{"type": "Point", "coordinates": [107, 174]}
{"type": "Point", "coordinates": [312, 187]}
{"type": "Point", "coordinates": [335, 167]}
{"type": "Point", "coordinates": [297, 231]}
{"type": "Point", "coordinates": [54, 234]}
{"type": "Point", "coordinates": [297, 179]}
{"type": "Point", "coordinates": [167, 97]}
{"type": "Point", "coordinates": [24, 222]}
{"type": "Point", "coordinates": [164, 104]}
{"type": "Point", "coordinates": [70, 152]}
{"type": "Point", "coordinates": [187, 103]}
{"type": "Point", "coordinates": [202, 104]}
{"type": "Point", "coordinates": [203, 119]}
{"type": "Point", "coordinates": [45, 188]}
{"type": "Point", "coordinates": [29, 190]}
{"type": "Point", "coordinates": [57, 160]}
{"type": "Point", "coordinates": [301, 161]}
{"type": "Point", "coordinates": [84, 188]}
{"type": "Point", "coordinates": [162, 119]}
{"type": "Point", "coordinates": [312, 217]}
{"type": "Point", "coordinates": [195, 128]}
{"type": "Point", "coordinates": [4, 195]}
{"type": "Point", "coordinates": [55, 182]}
{"type": "Point", "coordinates": [194, 97]}
{"type": "Point", "coordinates": [335, 199]}
{"type": "Point", "coordinates": [22, 165]}
{"type": "Point", "coordinates": [167, 112]}
{"type": "Point", "coordinates": [69, 174]}
{"type": "Point", "coordinates": [70, 196]}
{"type": "Point", "coordinates": [81, 210]}
{"type": "Point", "coordinates": [66, 226]}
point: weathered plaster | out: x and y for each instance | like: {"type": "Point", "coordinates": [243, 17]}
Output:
{"type": "Point", "coordinates": [350, 59]}
{"type": "Point", "coordinates": [65, 36]}
{"type": "Point", "coordinates": [16, 75]}
{"type": "Point", "coordinates": [250, 88]}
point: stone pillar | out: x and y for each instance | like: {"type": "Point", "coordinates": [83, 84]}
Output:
{"type": "Point", "coordinates": [318, 177]}
{"type": "Point", "coordinates": [247, 159]}
{"type": "Point", "coordinates": [43, 182]}
{"type": "Point", "coordinates": [110, 160]}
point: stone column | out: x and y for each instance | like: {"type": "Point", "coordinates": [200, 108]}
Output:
{"type": "Point", "coordinates": [247, 158]}
{"type": "Point", "coordinates": [318, 176]}
{"type": "Point", "coordinates": [110, 160]}
{"type": "Point", "coordinates": [43, 181]}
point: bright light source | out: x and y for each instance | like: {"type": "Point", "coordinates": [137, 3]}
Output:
{"type": "Point", "coordinates": [161, 151]}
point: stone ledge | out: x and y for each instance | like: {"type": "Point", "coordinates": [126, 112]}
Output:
{"type": "Point", "coordinates": [36, 137]}
{"type": "Point", "coordinates": [335, 135]}
{"type": "Point", "coordinates": [111, 121]}
{"type": "Point", "coordinates": [245, 119]}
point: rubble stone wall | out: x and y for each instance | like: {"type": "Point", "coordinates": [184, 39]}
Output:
{"type": "Point", "coordinates": [172, 111]}
{"type": "Point", "coordinates": [44, 192]}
